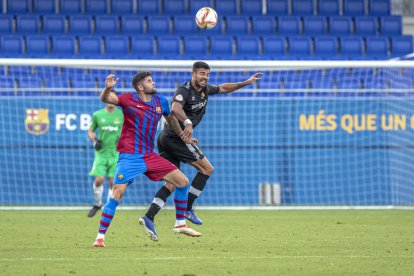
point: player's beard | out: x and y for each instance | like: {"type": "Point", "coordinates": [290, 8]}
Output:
{"type": "Point", "coordinates": [152, 91]}
{"type": "Point", "coordinates": [199, 82]}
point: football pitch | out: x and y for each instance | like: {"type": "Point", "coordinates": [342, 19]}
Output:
{"type": "Point", "coordinates": [281, 242]}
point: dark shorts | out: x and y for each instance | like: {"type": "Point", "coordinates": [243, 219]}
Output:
{"type": "Point", "coordinates": [175, 150]}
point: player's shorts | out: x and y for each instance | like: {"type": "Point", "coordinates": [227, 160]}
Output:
{"type": "Point", "coordinates": [103, 166]}
{"type": "Point", "coordinates": [175, 150]}
{"type": "Point", "coordinates": [131, 165]}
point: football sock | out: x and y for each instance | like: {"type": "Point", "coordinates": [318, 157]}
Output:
{"type": "Point", "coordinates": [97, 193]}
{"type": "Point", "coordinates": [197, 186]}
{"type": "Point", "coordinates": [109, 194]}
{"type": "Point", "coordinates": [180, 200]}
{"type": "Point", "coordinates": [107, 214]}
{"type": "Point", "coordinates": [158, 202]}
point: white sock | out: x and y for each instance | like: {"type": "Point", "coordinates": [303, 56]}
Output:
{"type": "Point", "coordinates": [179, 222]}
{"type": "Point", "coordinates": [97, 193]}
{"type": "Point", "coordinates": [100, 236]}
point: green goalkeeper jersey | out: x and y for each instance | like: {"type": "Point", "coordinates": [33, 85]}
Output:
{"type": "Point", "coordinates": [109, 125]}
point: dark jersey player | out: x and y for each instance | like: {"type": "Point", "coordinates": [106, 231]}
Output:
{"type": "Point", "coordinates": [189, 106]}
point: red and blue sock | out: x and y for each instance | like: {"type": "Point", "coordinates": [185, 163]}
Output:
{"type": "Point", "coordinates": [107, 214]}
{"type": "Point", "coordinates": [180, 200]}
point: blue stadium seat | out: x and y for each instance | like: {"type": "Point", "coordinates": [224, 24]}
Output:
{"type": "Point", "coordinates": [29, 86]}
{"type": "Point", "coordinates": [401, 45]}
{"type": "Point", "coordinates": [379, 7]}
{"type": "Point", "coordinates": [248, 47]}
{"type": "Point", "coordinates": [277, 7]}
{"type": "Point", "coordinates": [237, 24]}
{"type": "Point", "coordinates": [169, 47]}
{"type": "Point", "coordinates": [107, 24]}
{"type": "Point", "coordinates": [340, 25]}
{"type": "Point", "coordinates": [96, 7]}
{"type": "Point", "coordinates": [354, 7]}
{"type": "Point", "coordinates": [11, 46]}
{"type": "Point", "coordinates": [314, 25]}
{"type": "Point", "coordinates": [117, 46]}
{"type": "Point", "coordinates": [142, 47]}
{"type": "Point", "coordinates": [159, 24]}
{"type": "Point", "coordinates": [125, 6]}
{"type": "Point", "coordinates": [226, 7]}
{"type": "Point", "coordinates": [8, 86]}
{"type": "Point", "coordinates": [221, 47]}
{"type": "Point", "coordinates": [195, 47]}
{"type": "Point", "coordinates": [6, 24]}
{"type": "Point", "coordinates": [263, 25]}
{"type": "Point", "coordinates": [54, 24]}
{"type": "Point", "coordinates": [391, 25]}
{"type": "Point", "coordinates": [348, 84]}
{"type": "Point", "coordinates": [175, 7]}
{"type": "Point", "coordinates": [195, 5]}
{"type": "Point", "coordinates": [289, 25]}
{"type": "Point", "coordinates": [322, 83]}
{"type": "Point", "coordinates": [27, 24]}
{"type": "Point", "coordinates": [302, 7]}
{"type": "Point", "coordinates": [185, 25]}
{"type": "Point", "coordinates": [60, 84]}
{"type": "Point", "coordinates": [377, 47]}
{"type": "Point", "coordinates": [80, 24]}
{"type": "Point", "coordinates": [37, 46]}
{"type": "Point", "coordinates": [328, 7]}
{"type": "Point", "coordinates": [132, 24]}
{"type": "Point", "coordinates": [70, 7]}
{"type": "Point", "coordinates": [147, 7]}
{"type": "Point", "coordinates": [44, 6]}
{"type": "Point", "coordinates": [300, 47]}
{"type": "Point", "coordinates": [63, 46]}
{"type": "Point", "coordinates": [18, 6]}
{"type": "Point", "coordinates": [351, 47]}
{"type": "Point", "coordinates": [274, 47]}
{"type": "Point", "coordinates": [251, 7]}
{"type": "Point", "coordinates": [326, 47]}
{"type": "Point", "coordinates": [90, 46]}
{"type": "Point", "coordinates": [366, 25]}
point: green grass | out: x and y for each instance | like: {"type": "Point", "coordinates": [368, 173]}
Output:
{"type": "Point", "coordinates": [233, 243]}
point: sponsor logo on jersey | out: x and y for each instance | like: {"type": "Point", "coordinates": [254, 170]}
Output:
{"type": "Point", "coordinates": [117, 121]}
{"type": "Point", "coordinates": [179, 98]}
{"type": "Point", "coordinates": [37, 121]}
{"type": "Point", "coordinates": [199, 105]}
{"type": "Point", "coordinates": [158, 109]}
{"type": "Point", "coordinates": [120, 176]}
{"type": "Point", "coordinates": [110, 128]}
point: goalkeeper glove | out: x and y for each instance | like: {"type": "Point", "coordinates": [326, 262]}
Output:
{"type": "Point", "coordinates": [97, 144]}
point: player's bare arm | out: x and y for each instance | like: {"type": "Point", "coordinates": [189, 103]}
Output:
{"type": "Point", "coordinates": [231, 87]}
{"type": "Point", "coordinates": [177, 110]}
{"type": "Point", "coordinates": [91, 135]}
{"type": "Point", "coordinates": [173, 122]}
{"type": "Point", "coordinates": [106, 95]}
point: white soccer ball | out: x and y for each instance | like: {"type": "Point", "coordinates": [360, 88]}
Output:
{"type": "Point", "coordinates": [206, 18]}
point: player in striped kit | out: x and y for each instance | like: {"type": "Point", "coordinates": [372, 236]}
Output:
{"type": "Point", "coordinates": [142, 111]}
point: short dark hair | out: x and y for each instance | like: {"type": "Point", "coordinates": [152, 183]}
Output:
{"type": "Point", "coordinates": [139, 77]}
{"type": "Point", "coordinates": [200, 64]}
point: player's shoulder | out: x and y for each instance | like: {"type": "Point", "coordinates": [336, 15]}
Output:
{"type": "Point", "coordinates": [99, 112]}
{"type": "Point", "coordinates": [185, 86]}
{"type": "Point", "coordinates": [161, 98]}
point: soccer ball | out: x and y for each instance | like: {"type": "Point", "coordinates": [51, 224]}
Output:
{"type": "Point", "coordinates": [206, 18]}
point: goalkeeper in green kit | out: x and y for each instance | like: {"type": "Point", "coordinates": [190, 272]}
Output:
{"type": "Point", "coordinates": [108, 121]}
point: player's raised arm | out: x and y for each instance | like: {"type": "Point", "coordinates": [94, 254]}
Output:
{"type": "Point", "coordinates": [230, 87]}
{"type": "Point", "coordinates": [106, 95]}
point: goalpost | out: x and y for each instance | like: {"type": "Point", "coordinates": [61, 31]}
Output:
{"type": "Point", "coordinates": [310, 133]}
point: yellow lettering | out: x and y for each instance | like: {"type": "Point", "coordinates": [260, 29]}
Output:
{"type": "Point", "coordinates": [307, 123]}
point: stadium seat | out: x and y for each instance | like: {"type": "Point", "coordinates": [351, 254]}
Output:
{"type": "Point", "coordinates": [121, 7]}
{"type": "Point", "coordinates": [340, 25]}
{"type": "Point", "coordinates": [379, 7]}
{"type": "Point", "coordinates": [366, 25]}
{"type": "Point", "coordinates": [326, 47]}
{"type": "Point", "coordinates": [175, 7]}
{"type": "Point", "coordinates": [7, 85]}
{"type": "Point", "coordinates": [377, 47]}
{"type": "Point", "coordinates": [159, 24]}
{"type": "Point", "coordinates": [131, 24]}
{"type": "Point", "coordinates": [18, 6]}
{"type": "Point", "coordinates": [184, 24]}
{"type": "Point", "coordinates": [27, 24]}
{"type": "Point", "coordinates": [277, 7]}
{"type": "Point", "coordinates": [221, 47]}
{"type": "Point", "coordinates": [226, 7]}
{"type": "Point", "coordinates": [6, 24]}
{"type": "Point", "coordinates": [44, 6]}
{"type": "Point", "coordinates": [29, 86]}
{"type": "Point", "coordinates": [90, 46]}
{"type": "Point", "coordinates": [274, 47]}
{"type": "Point", "coordinates": [80, 24]}
{"type": "Point", "coordinates": [169, 47]}
{"type": "Point", "coordinates": [70, 7]}
{"type": "Point", "coordinates": [248, 47]}
{"type": "Point", "coordinates": [263, 25]}
{"type": "Point", "coordinates": [354, 7]}
{"type": "Point", "coordinates": [300, 47]}
{"type": "Point", "coordinates": [96, 7]}
{"type": "Point", "coordinates": [195, 47]}
{"type": "Point", "coordinates": [54, 24]}
{"type": "Point", "coordinates": [142, 47]}
{"type": "Point", "coordinates": [314, 25]}
{"type": "Point", "coordinates": [237, 24]}
{"type": "Point", "coordinates": [37, 46]}
{"type": "Point", "coordinates": [302, 7]}
{"type": "Point", "coordinates": [195, 5]}
{"type": "Point", "coordinates": [147, 7]}
{"type": "Point", "coordinates": [328, 7]}
{"type": "Point", "coordinates": [107, 24]}
{"type": "Point", "coordinates": [351, 47]}
{"type": "Point", "coordinates": [401, 45]}
{"type": "Point", "coordinates": [391, 25]}
{"type": "Point", "coordinates": [11, 46]}
{"type": "Point", "coordinates": [289, 25]}
{"type": "Point", "coordinates": [250, 7]}
{"type": "Point", "coordinates": [63, 46]}
{"type": "Point", "coordinates": [117, 46]}
{"type": "Point", "coordinates": [61, 85]}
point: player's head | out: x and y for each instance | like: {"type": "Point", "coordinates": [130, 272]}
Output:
{"type": "Point", "coordinates": [111, 106]}
{"type": "Point", "coordinates": [143, 82]}
{"type": "Point", "coordinates": [201, 73]}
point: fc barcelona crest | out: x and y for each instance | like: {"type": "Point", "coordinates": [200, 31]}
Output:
{"type": "Point", "coordinates": [158, 109]}
{"type": "Point", "coordinates": [37, 121]}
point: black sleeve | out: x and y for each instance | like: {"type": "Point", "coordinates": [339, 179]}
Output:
{"type": "Point", "coordinates": [181, 95]}
{"type": "Point", "coordinates": [213, 89]}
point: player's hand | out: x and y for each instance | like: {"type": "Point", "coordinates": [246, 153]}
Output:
{"type": "Point", "coordinates": [97, 144]}
{"type": "Point", "coordinates": [187, 133]}
{"type": "Point", "coordinates": [193, 141]}
{"type": "Point", "coordinates": [110, 81]}
{"type": "Point", "coordinates": [254, 78]}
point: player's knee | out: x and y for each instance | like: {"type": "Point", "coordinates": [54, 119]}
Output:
{"type": "Point", "coordinates": [183, 181]}
{"type": "Point", "coordinates": [99, 180]}
{"type": "Point", "coordinates": [207, 171]}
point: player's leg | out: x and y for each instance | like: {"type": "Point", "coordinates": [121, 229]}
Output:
{"type": "Point", "coordinates": [99, 171]}
{"type": "Point", "coordinates": [111, 172]}
{"type": "Point", "coordinates": [110, 187]}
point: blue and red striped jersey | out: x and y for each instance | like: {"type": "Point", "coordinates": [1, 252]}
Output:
{"type": "Point", "coordinates": [140, 122]}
